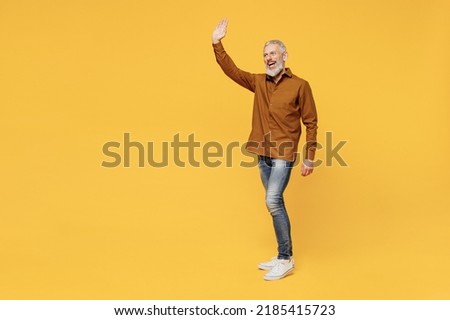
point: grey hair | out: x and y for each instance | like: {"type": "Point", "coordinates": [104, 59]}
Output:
{"type": "Point", "coordinates": [278, 42]}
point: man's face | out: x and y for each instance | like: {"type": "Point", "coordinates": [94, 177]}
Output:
{"type": "Point", "coordinates": [274, 59]}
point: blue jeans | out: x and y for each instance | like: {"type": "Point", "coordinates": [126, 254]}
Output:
{"type": "Point", "coordinates": [275, 175]}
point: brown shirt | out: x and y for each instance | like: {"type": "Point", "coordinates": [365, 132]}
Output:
{"type": "Point", "coordinates": [277, 110]}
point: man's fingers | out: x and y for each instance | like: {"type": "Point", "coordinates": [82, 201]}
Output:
{"type": "Point", "coordinates": [306, 170]}
{"type": "Point", "coordinates": [220, 31]}
{"type": "Point", "coordinates": [223, 24]}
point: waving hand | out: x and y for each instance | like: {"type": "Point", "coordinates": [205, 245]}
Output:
{"type": "Point", "coordinates": [220, 31]}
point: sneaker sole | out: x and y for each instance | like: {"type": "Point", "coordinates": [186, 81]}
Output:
{"type": "Point", "coordinates": [279, 277]}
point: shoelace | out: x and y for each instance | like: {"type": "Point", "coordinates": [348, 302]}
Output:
{"type": "Point", "coordinates": [277, 266]}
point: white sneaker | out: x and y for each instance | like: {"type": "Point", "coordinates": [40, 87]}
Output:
{"type": "Point", "coordinates": [280, 270]}
{"type": "Point", "coordinates": [268, 265]}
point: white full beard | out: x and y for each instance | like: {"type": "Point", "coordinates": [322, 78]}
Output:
{"type": "Point", "coordinates": [278, 68]}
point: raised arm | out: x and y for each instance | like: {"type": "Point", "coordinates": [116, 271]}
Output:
{"type": "Point", "coordinates": [243, 78]}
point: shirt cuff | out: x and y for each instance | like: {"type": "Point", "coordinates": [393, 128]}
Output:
{"type": "Point", "coordinates": [308, 163]}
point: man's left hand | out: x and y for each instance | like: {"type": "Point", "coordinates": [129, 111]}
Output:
{"type": "Point", "coordinates": [306, 170]}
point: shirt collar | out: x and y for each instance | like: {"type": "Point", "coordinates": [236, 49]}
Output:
{"type": "Point", "coordinates": [287, 73]}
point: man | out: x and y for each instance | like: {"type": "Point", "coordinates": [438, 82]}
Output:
{"type": "Point", "coordinates": [281, 101]}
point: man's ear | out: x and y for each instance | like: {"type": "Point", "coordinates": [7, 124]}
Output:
{"type": "Point", "coordinates": [285, 56]}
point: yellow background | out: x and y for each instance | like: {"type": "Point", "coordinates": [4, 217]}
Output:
{"type": "Point", "coordinates": [77, 74]}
